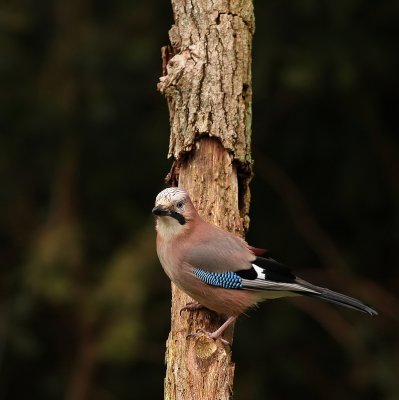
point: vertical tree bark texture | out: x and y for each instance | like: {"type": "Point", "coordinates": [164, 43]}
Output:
{"type": "Point", "coordinates": [208, 89]}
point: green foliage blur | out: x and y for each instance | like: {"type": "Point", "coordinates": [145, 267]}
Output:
{"type": "Point", "coordinates": [84, 304]}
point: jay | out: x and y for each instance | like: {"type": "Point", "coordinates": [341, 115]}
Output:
{"type": "Point", "coordinates": [219, 270]}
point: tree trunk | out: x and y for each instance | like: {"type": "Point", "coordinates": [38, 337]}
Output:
{"type": "Point", "coordinates": [207, 84]}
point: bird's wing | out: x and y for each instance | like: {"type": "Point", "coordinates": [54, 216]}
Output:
{"type": "Point", "coordinates": [220, 258]}
{"type": "Point", "coordinates": [217, 251]}
{"type": "Point", "coordinates": [263, 274]}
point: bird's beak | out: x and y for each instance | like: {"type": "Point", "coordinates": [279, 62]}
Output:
{"type": "Point", "coordinates": [159, 210]}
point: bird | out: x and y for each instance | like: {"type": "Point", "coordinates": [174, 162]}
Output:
{"type": "Point", "coordinates": [220, 270]}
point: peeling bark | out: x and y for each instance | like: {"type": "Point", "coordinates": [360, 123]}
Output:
{"type": "Point", "coordinates": [208, 89]}
{"type": "Point", "coordinates": [208, 82]}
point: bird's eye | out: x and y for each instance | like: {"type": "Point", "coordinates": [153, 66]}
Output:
{"type": "Point", "coordinates": [179, 204]}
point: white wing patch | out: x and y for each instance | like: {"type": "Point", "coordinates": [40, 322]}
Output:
{"type": "Point", "coordinates": [260, 272]}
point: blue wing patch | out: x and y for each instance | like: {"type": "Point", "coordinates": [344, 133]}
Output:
{"type": "Point", "coordinates": [226, 280]}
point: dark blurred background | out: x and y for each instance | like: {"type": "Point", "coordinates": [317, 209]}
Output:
{"type": "Point", "coordinates": [84, 304]}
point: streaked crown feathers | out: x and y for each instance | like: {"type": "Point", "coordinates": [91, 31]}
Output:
{"type": "Point", "coordinates": [171, 194]}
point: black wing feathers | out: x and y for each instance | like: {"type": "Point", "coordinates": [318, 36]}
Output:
{"type": "Point", "coordinates": [248, 273]}
{"type": "Point", "coordinates": [273, 270]}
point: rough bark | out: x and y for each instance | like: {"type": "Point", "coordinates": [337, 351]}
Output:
{"type": "Point", "coordinates": [208, 81]}
{"type": "Point", "coordinates": [208, 89]}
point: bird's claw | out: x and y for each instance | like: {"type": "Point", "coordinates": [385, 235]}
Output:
{"type": "Point", "coordinates": [211, 335]}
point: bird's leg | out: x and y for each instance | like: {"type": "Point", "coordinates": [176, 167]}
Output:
{"type": "Point", "coordinates": [192, 306]}
{"type": "Point", "coordinates": [218, 333]}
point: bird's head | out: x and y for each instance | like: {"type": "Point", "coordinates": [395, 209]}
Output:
{"type": "Point", "coordinates": [174, 210]}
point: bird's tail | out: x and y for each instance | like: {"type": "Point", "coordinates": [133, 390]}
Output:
{"type": "Point", "coordinates": [336, 298]}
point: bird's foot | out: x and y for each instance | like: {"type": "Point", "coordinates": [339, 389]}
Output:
{"type": "Point", "coordinates": [212, 335]}
{"type": "Point", "coordinates": [192, 306]}
{"type": "Point", "coordinates": [218, 333]}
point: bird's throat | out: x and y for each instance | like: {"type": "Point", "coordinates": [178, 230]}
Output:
{"type": "Point", "coordinates": [169, 227]}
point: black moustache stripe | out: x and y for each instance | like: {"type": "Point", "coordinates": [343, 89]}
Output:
{"type": "Point", "coordinates": [180, 219]}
